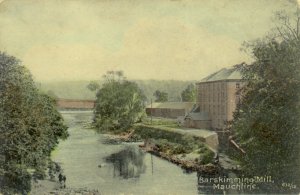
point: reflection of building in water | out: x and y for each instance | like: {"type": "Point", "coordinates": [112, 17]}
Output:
{"type": "Point", "coordinates": [128, 163]}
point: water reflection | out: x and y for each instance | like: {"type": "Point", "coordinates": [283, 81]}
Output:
{"type": "Point", "coordinates": [128, 163]}
{"type": "Point", "coordinates": [89, 161]}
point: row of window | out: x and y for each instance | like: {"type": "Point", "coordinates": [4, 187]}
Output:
{"type": "Point", "coordinates": [211, 97]}
{"type": "Point", "coordinates": [213, 93]}
{"type": "Point", "coordinates": [212, 86]}
{"type": "Point", "coordinates": [214, 109]}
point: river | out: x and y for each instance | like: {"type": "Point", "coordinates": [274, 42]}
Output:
{"type": "Point", "coordinates": [89, 160]}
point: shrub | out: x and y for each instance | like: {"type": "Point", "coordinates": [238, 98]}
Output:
{"type": "Point", "coordinates": [207, 156]}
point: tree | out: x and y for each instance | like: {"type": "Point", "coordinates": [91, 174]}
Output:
{"type": "Point", "coordinates": [189, 93]}
{"type": "Point", "coordinates": [119, 103]}
{"type": "Point", "coordinates": [52, 94]}
{"type": "Point", "coordinates": [93, 86]}
{"type": "Point", "coordinates": [30, 127]}
{"type": "Point", "coordinates": [266, 123]}
{"type": "Point", "coordinates": [160, 96]}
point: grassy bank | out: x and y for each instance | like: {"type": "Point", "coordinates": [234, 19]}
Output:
{"type": "Point", "coordinates": [165, 140]}
{"type": "Point", "coordinates": [163, 137]}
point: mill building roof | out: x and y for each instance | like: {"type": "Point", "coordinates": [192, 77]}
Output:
{"type": "Point", "coordinates": [223, 74]}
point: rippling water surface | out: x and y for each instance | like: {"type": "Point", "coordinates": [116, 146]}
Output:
{"type": "Point", "coordinates": [90, 161]}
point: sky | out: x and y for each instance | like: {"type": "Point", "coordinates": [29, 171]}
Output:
{"type": "Point", "coordinates": [64, 40]}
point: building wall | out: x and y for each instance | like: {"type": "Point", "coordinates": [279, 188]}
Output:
{"type": "Point", "coordinates": [165, 112]}
{"type": "Point", "coordinates": [75, 104]}
{"type": "Point", "coordinates": [169, 109]}
{"type": "Point", "coordinates": [232, 98]}
{"type": "Point", "coordinates": [197, 124]}
{"type": "Point", "coordinates": [218, 99]}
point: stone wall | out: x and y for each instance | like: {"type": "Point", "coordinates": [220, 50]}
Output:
{"type": "Point", "coordinates": [218, 99]}
{"type": "Point", "coordinates": [198, 124]}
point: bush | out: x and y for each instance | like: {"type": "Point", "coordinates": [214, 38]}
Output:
{"type": "Point", "coordinates": [171, 148]}
{"type": "Point", "coordinates": [172, 142]}
{"type": "Point", "coordinates": [16, 180]}
{"type": "Point", "coordinates": [207, 156]}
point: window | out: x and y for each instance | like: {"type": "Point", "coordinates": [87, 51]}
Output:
{"type": "Point", "coordinates": [237, 100]}
{"type": "Point", "coordinates": [237, 85]}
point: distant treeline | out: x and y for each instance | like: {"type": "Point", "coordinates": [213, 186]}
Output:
{"type": "Point", "coordinates": [79, 90]}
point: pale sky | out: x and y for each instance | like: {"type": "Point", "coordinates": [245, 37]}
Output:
{"type": "Point", "coordinates": [147, 39]}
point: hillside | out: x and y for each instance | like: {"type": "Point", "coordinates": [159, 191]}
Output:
{"type": "Point", "coordinates": [68, 89]}
{"type": "Point", "coordinates": [78, 89]}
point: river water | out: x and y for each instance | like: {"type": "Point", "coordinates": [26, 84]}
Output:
{"type": "Point", "coordinates": [89, 160]}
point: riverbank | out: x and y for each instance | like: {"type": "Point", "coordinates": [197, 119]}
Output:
{"type": "Point", "coordinates": [182, 148]}
{"type": "Point", "coordinates": [189, 162]}
{"type": "Point", "coordinates": [51, 185]}
{"type": "Point", "coordinates": [124, 167]}
{"type": "Point", "coordinates": [46, 187]}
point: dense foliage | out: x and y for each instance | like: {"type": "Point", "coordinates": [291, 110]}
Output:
{"type": "Point", "coordinates": [93, 86]}
{"type": "Point", "coordinates": [30, 127]}
{"type": "Point", "coordinates": [119, 104]}
{"type": "Point", "coordinates": [266, 123]}
{"type": "Point", "coordinates": [189, 93]}
{"type": "Point", "coordinates": [172, 142]}
{"type": "Point", "coordinates": [160, 96]}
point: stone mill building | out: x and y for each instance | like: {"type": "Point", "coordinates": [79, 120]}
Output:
{"type": "Point", "coordinates": [217, 97]}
